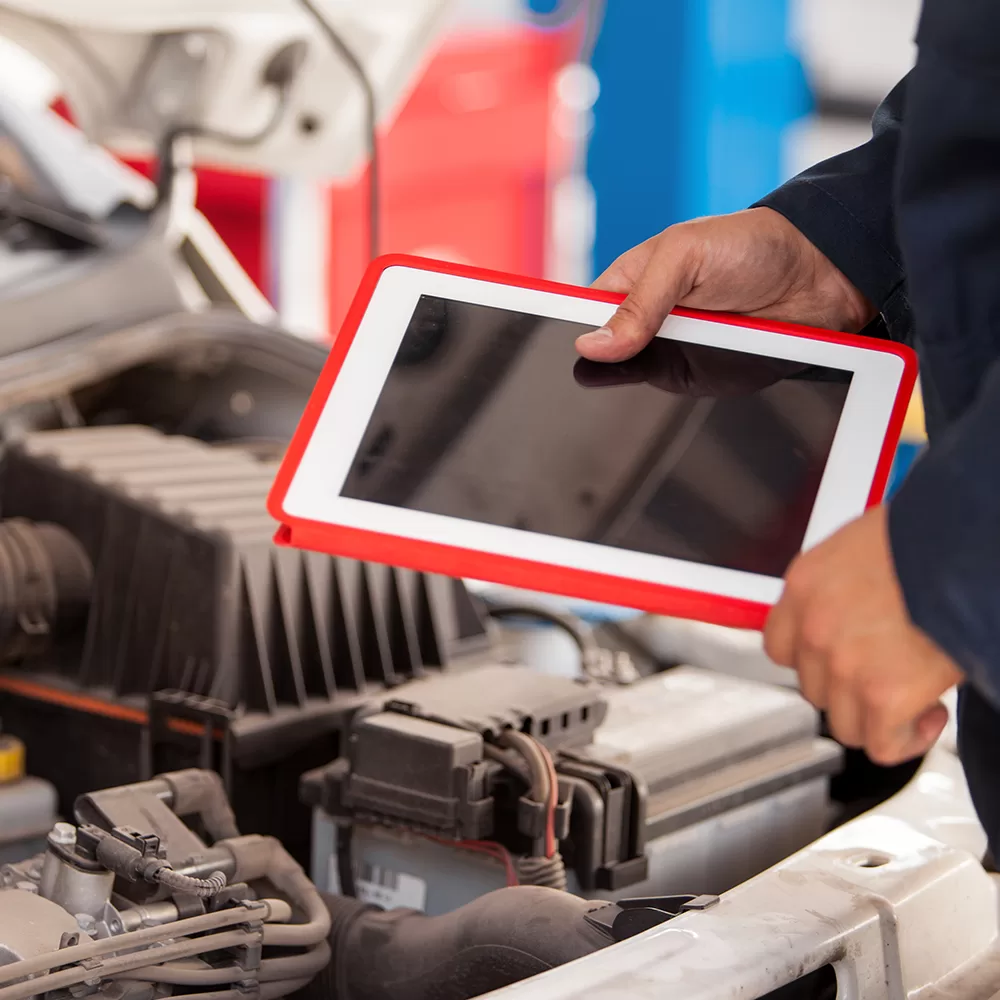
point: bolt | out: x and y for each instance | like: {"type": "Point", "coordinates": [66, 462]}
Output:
{"type": "Point", "coordinates": [195, 46]}
{"type": "Point", "coordinates": [86, 923]}
{"type": "Point", "coordinates": [63, 834]}
{"type": "Point", "coordinates": [241, 403]}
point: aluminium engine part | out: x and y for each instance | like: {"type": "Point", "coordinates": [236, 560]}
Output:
{"type": "Point", "coordinates": [686, 781]}
{"type": "Point", "coordinates": [121, 898]}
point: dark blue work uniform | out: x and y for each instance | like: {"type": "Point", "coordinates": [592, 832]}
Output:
{"type": "Point", "coordinates": [913, 219]}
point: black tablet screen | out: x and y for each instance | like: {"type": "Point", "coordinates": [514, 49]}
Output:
{"type": "Point", "coordinates": [694, 452]}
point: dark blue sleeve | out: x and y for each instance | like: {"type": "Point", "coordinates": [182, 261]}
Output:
{"type": "Point", "coordinates": [945, 522]}
{"type": "Point", "coordinates": [844, 207]}
{"type": "Point", "coordinates": [944, 526]}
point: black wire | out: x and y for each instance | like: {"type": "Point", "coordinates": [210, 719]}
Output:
{"type": "Point", "coordinates": [168, 146]}
{"type": "Point", "coordinates": [371, 113]}
{"type": "Point", "coordinates": [574, 627]}
{"type": "Point", "coordinates": [345, 860]}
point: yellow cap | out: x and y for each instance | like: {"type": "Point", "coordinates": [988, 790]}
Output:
{"type": "Point", "coordinates": [11, 759]}
{"type": "Point", "coordinates": [913, 428]}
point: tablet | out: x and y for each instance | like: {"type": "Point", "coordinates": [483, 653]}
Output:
{"type": "Point", "coordinates": [456, 430]}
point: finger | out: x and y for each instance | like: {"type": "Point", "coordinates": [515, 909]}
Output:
{"type": "Point", "coordinates": [780, 633]}
{"type": "Point", "coordinates": [892, 745]}
{"type": "Point", "coordinates": [666, 279]}
{"type": "Point", "coordinates": [930, 726]}
{"type": "Point", "coordinates": [622, 275]}
{"type": "Point", "coordinates": [846, 717]}
{"type": "Point", "coordinates": [813, 678]}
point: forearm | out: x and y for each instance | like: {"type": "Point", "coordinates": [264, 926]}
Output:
{"type": "Point", "coordinates": [844, 207]}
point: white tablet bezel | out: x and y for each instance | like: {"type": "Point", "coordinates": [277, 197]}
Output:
{"type": "Point", "coordinates": [313, 493]}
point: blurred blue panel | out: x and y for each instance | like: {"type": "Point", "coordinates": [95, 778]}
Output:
{"type": "Point", "coordinates": [696, 97]}
{"type": "Point", "coordinates": [906, 455]}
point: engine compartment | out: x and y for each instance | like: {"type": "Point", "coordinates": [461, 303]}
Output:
{"type": "Point", "coordinates": [423, 815]}
{"type": "Point", "coordinates": [367, 718]}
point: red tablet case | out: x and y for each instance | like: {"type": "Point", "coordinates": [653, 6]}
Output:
{"type": "Point", "coordinates": [451, 561]}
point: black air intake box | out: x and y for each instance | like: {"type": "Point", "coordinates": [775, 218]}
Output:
{"type": "Point", "coordinates": [206, 644]}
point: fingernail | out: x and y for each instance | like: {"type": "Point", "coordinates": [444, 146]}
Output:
{"type": "Point", "coordinates": [604, 333]}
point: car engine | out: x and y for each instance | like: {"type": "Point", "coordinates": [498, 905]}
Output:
{"type": "Point", "coordinates": [171, 676]}
{"type": "Point", "coordinates": [130, 901]}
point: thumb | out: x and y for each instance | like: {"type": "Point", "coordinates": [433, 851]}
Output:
{"type": "Point", "coordinates": [665, 281]}
{"type": "Point", "coordinates": [931, 725]}
{"type": "Point", "coordinates": [921, 736]}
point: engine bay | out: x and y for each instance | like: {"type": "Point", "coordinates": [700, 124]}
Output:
{"type": "Point", "coordinates": [230, 768]}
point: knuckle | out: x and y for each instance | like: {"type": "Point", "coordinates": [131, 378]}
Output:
{"type": "Point", "coordinates": [883, 751]}
{"type": "Point", "coordinates": [842, 665]}
{"type": "Point", "coordinates": [881, 699]}
{"type": "Point", "coordinates": [614, 279]}
{"type": "Point", "coordinates": [798, 579]}
{"type": "Point", "coordinates": [817, 632]}
{"type": "Point", "coordinates": [632, 314]}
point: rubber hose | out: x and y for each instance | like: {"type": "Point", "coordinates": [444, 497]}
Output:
{"type": "Point", "coordinates": [271, 991]}
{"type": "Point", "coordinates": [199, 791]}
{"type": "Point", "coordinates": [501, 938]}
{"type": "Point", "coordinates": [303, 966]}
{"type": "Point", "coordinates": [45, 584]}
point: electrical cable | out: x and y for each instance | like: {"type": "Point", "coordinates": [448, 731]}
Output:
{"type": "Point", "coordinates": [545, 784]}
{"type": "Point", "coordinates": [552, 848]}
{"type": "Point", "coordinates": [574, 627]}
{"type": "Point", "coordinates": [354, 64]}
{"type": "Point", "coordinates": [596, 662]}
{"type": "Point", "coordinates": [490, 848]}
{"type": "Point", "coordinates": [168, 146]}
{"type": "Point", "coordinates": [203, 888]}
{"type": "Point", "coordinates": [549, 870]}
{"type": "Point", "coordinates": [279, 74]}
{"type": "Point", "coordinates": [510, 760]}
{"type": "Point", "coordinates": [345, 860]}
{"type": "Point", "coordinates": [540, 782]}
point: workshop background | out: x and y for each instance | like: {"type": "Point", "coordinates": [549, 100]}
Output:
{"type": "Point", "coordinates": [411, 740]}
{"type": "Point", "coordinates": [545, 137]}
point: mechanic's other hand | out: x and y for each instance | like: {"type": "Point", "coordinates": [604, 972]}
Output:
{"type": "Point", "coordinates": [843, 625]}
{"type": "Point", "coordinates": [754, 262]}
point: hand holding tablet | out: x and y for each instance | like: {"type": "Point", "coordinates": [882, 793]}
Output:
{"type": "Point", "coordinates": [455, 429]}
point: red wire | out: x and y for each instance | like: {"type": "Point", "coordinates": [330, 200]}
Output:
{"type": "Point", "coordinates": [551, 846]}
{"type": "Point", "coordinates": [488, 847]}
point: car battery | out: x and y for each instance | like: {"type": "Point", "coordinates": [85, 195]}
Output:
{"type": "Point", "coordinates": [726, 776]}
